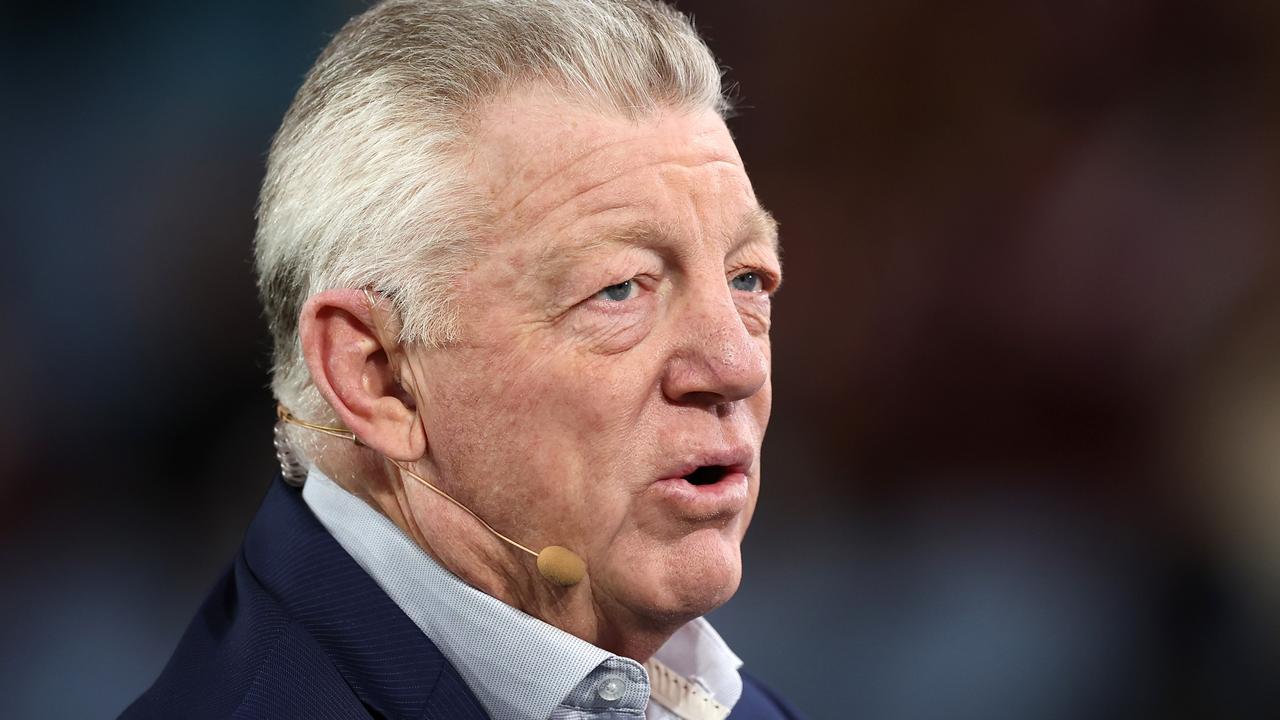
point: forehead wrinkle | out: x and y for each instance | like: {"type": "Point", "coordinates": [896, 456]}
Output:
{"type": "Point", "coordinates": [556, 172]}
{"type": "Point", "coordinates": [594, 183]}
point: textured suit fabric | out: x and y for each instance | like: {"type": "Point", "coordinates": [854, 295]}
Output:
{"type": "Point", "coordinates": [296, 629]}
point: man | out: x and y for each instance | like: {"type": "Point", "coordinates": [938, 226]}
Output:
{"type": "Point", "coordinates": [520, 286]}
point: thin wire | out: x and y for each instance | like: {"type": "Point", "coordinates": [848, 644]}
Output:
{"type": "Point", "coordinates": [283, 413]}
{"type": "Point", "coordinates": [448, 497]}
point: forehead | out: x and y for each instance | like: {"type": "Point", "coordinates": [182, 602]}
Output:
{"type": "Point", "coordinates": [534, 154]}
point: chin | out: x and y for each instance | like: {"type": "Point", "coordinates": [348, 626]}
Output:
{"type": "Point", "coordinates": [679, 582]}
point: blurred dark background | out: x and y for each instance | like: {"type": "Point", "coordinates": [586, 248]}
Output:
{"type": "Point", "coordinates": [1025, 456]}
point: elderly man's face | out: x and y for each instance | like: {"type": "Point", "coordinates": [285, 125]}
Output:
{"type": "Point", "coordinates": [616, 342]}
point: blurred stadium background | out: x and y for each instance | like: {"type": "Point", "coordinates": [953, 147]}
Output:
{"type": "Point", "coordinates": [1025, 456]}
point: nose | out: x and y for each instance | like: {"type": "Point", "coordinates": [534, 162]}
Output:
{"type": "Point", "coordinates": [715, 359]}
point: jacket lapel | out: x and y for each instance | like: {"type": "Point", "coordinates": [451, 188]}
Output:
{"type": "Point", "coordinates": [384, 658]}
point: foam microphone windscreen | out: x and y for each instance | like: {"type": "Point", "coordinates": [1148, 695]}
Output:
{"type": "Point", "coordinates": [561, 566]}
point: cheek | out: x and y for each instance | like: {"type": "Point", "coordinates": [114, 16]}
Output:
{"type": "Point", "coordinates": [760, 405]}
{"type": "Point", "coordinates": [485, 402]}
{"type": "Point", "coordinates": [547, 420]}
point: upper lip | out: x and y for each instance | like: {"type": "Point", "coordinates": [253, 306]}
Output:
{"type": "Point", "coordinates": [736, 459]}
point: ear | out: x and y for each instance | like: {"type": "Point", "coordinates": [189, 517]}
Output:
{"type": "Point", "coordinates": [343, 348]}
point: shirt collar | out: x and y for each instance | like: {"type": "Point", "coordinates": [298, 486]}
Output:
{"type": "Point", "coordinates": [517, 665]}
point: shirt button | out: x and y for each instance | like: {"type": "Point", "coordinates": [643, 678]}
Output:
{"type": "Point", "coordinates": [611, 689]}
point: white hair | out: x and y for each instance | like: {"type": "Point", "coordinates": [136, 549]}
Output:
{"type": "Point", "coordinates": [364, 186]}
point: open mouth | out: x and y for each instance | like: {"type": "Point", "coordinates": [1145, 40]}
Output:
{"type": "Point", "coordinates": [716, 489]}
{"type": "Point", "coordinates": [707, 475]}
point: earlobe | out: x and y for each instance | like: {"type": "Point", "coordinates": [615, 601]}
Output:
{"type": "Point", "coordinates": [351, 368]}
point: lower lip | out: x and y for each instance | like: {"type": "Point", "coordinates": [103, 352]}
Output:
{"type": "Point", "coordinates": [727, 496]}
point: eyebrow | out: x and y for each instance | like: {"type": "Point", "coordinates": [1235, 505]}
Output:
{"type": "Point", "coordinates": [755, 225]}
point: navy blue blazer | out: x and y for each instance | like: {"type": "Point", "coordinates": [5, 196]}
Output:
{"type": "Point", "coordinates": [296, 629]}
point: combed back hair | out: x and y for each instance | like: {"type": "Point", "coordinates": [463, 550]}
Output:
{"type": "Point", "coordinates": [364, 186]}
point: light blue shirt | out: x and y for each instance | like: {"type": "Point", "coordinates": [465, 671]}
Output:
{"type": "Point", "coordinates": [519, 667]}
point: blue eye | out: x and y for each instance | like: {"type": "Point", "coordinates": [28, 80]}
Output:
{"type": "Point", "coordinates": [747, 282]}
{"type": "Point", "coordinates": [618, 293]}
